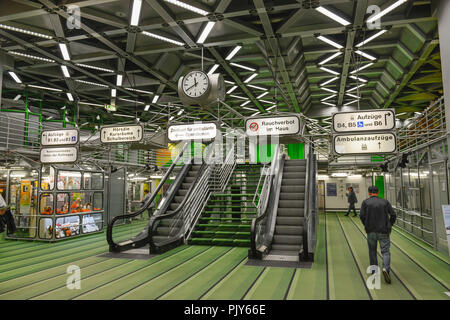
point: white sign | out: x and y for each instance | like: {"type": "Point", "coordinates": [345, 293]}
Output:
{"type": "Point", "coordinates": [59, 155]}
{"type": "Point", "coordinates": [59, 137]}
{"type": "Point", "coordinates": [196, 131]}
{"type": "Point", "coordinates": [272, 126]}
{"type": "Point", "coordinates": [370, 120]}
{"type": "Point", "coordinates": [365, 143]}
{"type": "Point", "coordinates": [121, 134]}
{"type": "Point", "coordinates": [446, 212]}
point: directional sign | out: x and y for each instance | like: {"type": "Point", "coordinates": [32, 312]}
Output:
{"type": "Point", "coordinates": [59, 155]}
{"type": "Point", "coordinates": [370, 143]}
{"type": "Point", "coordinates": [361, 121]}
{"type": "Point", "coordinates": [59, 137]}
{"type": "Point", "coordinates": [121, 134]}
{"type": "Point", "coordinates": [286, 125]}
{"type": "Point", "coordinates": [196, 131]}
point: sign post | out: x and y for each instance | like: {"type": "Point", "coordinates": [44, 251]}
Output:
{"type": "Point", "coordinates": [195, 131]}
{"type": "Point", "coordinates": [362, 121]}
{"type": "Point", "coordinates": [345, 144]}
{"type": "Point", "coordinates": [284, 125]}
{"type": "Point", "coordinates": [59, 146]}
{"type": "Point", "coordinates": [121, 134]}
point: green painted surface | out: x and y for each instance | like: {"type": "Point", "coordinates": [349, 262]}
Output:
{"type": "Point", "coordinates": [296, 151]}
{"type": "Point", "coordinates": [264, 153]}
{"type": "Point", "coordinates": [379, 182]}
{"type": "Point", "coordinates": [271, 285]}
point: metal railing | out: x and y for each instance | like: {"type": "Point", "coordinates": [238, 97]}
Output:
{"type": "Point", "coordinates": [222, 172]}
{"type": "Point", "coordinates": [257, 195]}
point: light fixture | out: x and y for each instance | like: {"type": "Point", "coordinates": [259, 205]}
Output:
{"type": "Point", "coordinates": [330, 58]}
{"type": "Point", "coordinates": [329, 70]}
{"type": "Point", "coordinates": [330, 42]}
{"type": "Point", "coordinates": [65, 71]}
{"type": "Point", "coordinates": [357, 87]}
{"type": "Point", "coordinates": [238, 97]}
{"type": "Point", "coordinates": [266, 101]}
{"type": "Point", "coordinates": [255, 114]}
{"type": "Point", "coordinates": [92, 83]}
{"type": "Point", "coordinates": [362, 68]}
{"type": "Point", "coordinates": [233, 52]}
{"type": "Point", "coordinates": [132, 101]}
{"type": "Point", "coordinates": [113, 93]}
{"type": "Point", "coordinates": [352, 95]}
{"type": "Point", "coordinates": [270, 108]}
{"type": "Point", "coordinates": [119, 80]}
{"type": "Point", "coordinates": [386, 11]}
{"type": "Point", "coordinates": [333, 16]}
{"type": "Point", "coordinates": [213, 68]}
{"type": "Point", "coordinates": [45, 88]}
{"type": "Point", "coordinates": [64, 51]}
{"type": "Point", "coordinates": [401, 114]}
{"type": "Point", "coordinates": [329, 81]}
{"type": "Point", "coordinates": [351, 102]}
{"type": "Point", "coordinates": [156, 36]}
{"type": "Point", "coordinates": [94, 67]}
{"type": "Point", "coordinates": [180, 112]}
{"type": "Point", "coordinates": [339, 175]}
{"type": "Point", "coordinates": [232, 89]}
{"type": "Point", "coordinates": [206, 32]}
{"type": "Point", "coordinates": [16, 98]}
{"type": "Point", "coordinates": [92, 104]}
{"type": "Point", "coordinates": [250, 78]}
{"type": "Point", "coordinates": [358, 78]}
{"type": "Point", "coordinates": [329, 97]}
{"type": "Point", "coordinates": [329, 104]}
{"type": "Point", "coordinates": [140, 91]}
{"type": "Point", "coordinates": [135, 13]}
{"type": "Point", "coordinates": [147, 107]}
{"type": "Point", "coordinates": [15, 77]}
{"type": "Point", "coordinates": [188, 7]}
{"type": "Point", "coordinates": [262, 95]}
{"type": "Point", "coordinates": [246, 103]}
{"type": "Point", "coordinates": [122, 115]}
{"type": "Point", "coordinates": [256, 87]}
{"type": "Point", "coordinates": [376, 35]}
{"type": "Point", "coordinates": [32, 33]}
{"type": "Point", "coordinates": [171, 118]}
{"type": "Point", "coordinates": [242, 66]}
{"type": "Point", "coordinates": [229, 82]}
{"type": "Point", "coordinates": [155, 99]}
{"type": "Point", "coordinates": [69, 96]}
{"type": "Point", "coordinates": [329, 90]}
{"type": "Point", "coordinates": [30, 56]}
{"type": "Point", "coordinates": [365, 55]}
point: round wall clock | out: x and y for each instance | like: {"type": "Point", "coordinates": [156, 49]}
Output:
{"type": "Point", "coordinates": [196, 84]}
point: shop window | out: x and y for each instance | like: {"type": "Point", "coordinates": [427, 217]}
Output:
{"type": "Point", "coordinates": [69, 180]}
{"type": "Point", "coordinates": [62, 203]}
{"type": "Point", "coordinates": [46, 228]}
{"type": "Point", "coordinates": [47, 178]}
{"type": "Point", "coordinates": [93, 181]}
{"type": "Point", "coordinates": [77, 202]}
{"type": "Point", "coordinates": [92, 223]}
{"type": "Point", "coordinates": [67, 227]}
{"type": "Point", "coordinates": [97, 201]}
{"type": "Point", "coordinates": [46, 204]}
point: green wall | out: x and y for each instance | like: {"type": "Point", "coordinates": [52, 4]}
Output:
{"type": "Point", "coordinates": [379, 183]}
{"type": "Point", "coordinates": [296, 151]}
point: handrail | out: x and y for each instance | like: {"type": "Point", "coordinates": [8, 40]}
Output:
{"type": "Point", "coordinates": [112, 245]}
{"type": "Point", "coordinates": [257, 195]}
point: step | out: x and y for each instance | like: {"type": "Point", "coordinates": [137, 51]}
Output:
{"type": "Point", "coordinates": [283, 252]}
{"type": "Point", "coordinates": [294, 169]}
{"type": "Point", "coordinates": [224, 226]}
{"type": "Point", "coordinates": [294, 175]}
{"type": "Point", "coordinates": [290, 212]}
{"type": "Point", "coordinates": [287, 239]}
{"type": "Point", "coordinates": [189, 179]}
{"type": "Point", "coordinates": [293, 189]}
{"type": "Point", "coordinates": [297, 162]}
{"type": "Point", "coordinates": [182, 192]}
{"type": "Point", "coordinates": [292, 196]}
{"type": "Point", "coordinates": [289, 230]}
{"type": "Point", "coordinates": [178, 199]}
{"type": "Point", "coordinates": [232, 194]}
{"type": "Point", "coordinates": [292, 182]}
{"type": "Point", "coordinates": [231, 212]}
{"type": "Point", "coordinates": [286, 247]}
{"type": "Point", "coordinates": [165, 231]}
{"type": "Point", "coordinates": [291, 203]}
{"type": "Point", "coordinates": [231, 207]}
{"type": "Point", "coordinates": [185, 185]}
{"type": "Point", "coordinates": [170, 223]}
{"type": "Point", "coordinates": [192, 173]}
{"type": "Point", "coordinates": [226, 219]}
{"type": "Point", "coordinates": [227, 200]}
{"type": "Point", "coordinates": [289, 221]}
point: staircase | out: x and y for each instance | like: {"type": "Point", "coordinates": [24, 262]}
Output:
{"type": "Point", "coordinates": [227, 216]}
{"type": "Point", "coordinates": [288, 236]}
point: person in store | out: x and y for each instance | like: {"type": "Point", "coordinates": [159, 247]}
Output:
{"type": "Point", "coordinates": [150, 208]}
{"type": "Point", "coordinates": [378, 217]}
{"type": "Point", "coordinates": [351, 198]}
{"type": "Point", "coordinates": [6, 217]}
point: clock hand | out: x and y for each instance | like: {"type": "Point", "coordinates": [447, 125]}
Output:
{"type": "Point", "coordinates": [191, 87]}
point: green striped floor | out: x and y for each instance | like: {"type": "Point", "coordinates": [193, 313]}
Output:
{"type": "Point", "coordinates": [36, 270]}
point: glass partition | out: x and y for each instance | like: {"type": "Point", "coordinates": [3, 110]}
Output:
{"type": "Point", "coordinates": [69, 180]}
{"type": "Point", "coordinates": [47, 178]}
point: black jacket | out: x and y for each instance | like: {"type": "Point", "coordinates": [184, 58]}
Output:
{"type": "Point", "coordinates": [377, 215]}
{"type": "Point", "coordinates": [7, 220]}
{"type": "Point", "coordinates": [352, 197]}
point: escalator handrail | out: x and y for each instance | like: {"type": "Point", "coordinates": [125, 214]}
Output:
{"type": "Point", "coordinates": [307, 210]}
{"type": "Point", "coordinates": [145, 206]}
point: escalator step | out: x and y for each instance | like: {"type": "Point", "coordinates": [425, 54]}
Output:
{"type": "Point", "coordinates": [298, 162]}
{"type": "Point", "coordinates": [286, 247]}
{"type": "Point", "coordinates": [294, 169]}
{"type": "Point", "coordinates": [291, 203]}
{"type": "Point", "coordinates": [294, 175]}
{"type": "Point", "coordinates": [288, 230]}
{"type": "Point", "coordinates": [292, 189]}
{"type": "Point", "coordinates": [289, 221]}
{"type": "Point", "coordinates": [231, 212]}
{"type": "Point", "coordinates": [290, 212]}
{"type": "Point", "coordinates": [226, 219]}
{"type": "Point", "coordinates": [292, 196]}
{"type": "Point", "coordinates": [287, 239]}
{"type": "Point", "coordinates": [232, 195]}
{"type": "Point", "coordinates": [178, 199]}
{"type": "Point", "coordinates": [292, 182]}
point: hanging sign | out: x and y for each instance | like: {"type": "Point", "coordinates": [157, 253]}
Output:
{"type": "Point", "coordinates": [195, 131]}
{"type": "Point", "coordinates": [59, 155]}
{"type": "Point", "coordinates": [286, 125]}
{"type": "Point", "coordinates": [370, 120]}
{"type": "Point", "coordinates": [370, 143]}
{"type": "Point", "coordinates": [121, 134]}
{"type": "Point", "coordinates": [59, 137]}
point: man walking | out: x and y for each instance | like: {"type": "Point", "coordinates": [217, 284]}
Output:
{"type": "Point", "coordinates": [378, 216]}
{"type": "Point", "coordinates": [351, 198]}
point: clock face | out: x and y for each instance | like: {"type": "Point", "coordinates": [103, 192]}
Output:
{"type": "Point", "coordinates": [195, 84]}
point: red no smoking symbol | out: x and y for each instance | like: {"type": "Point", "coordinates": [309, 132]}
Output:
{"type": "Point", "coordinates": [254, 126]}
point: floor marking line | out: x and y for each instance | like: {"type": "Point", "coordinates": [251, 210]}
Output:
{"type": "Point", "coordinates": [251, 286]}
{"type": "Point", "coordinates": [289, 285]}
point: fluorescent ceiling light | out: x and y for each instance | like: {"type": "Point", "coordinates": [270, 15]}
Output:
{"type": "Point", "coordinates": [250, 78]}
{"type": "Point", "coordinates": [16, 98]}
{"type": "Point", "coordinates": [37, 34]}
{"type": "Point", "coordinates": [180, 112]}
{"type": "Point", "coordinates": [45, 88]}
{"type": "Point", "coordinates": [365, 55]}
{"type": "Point", "coordinates": [64, 51]}
{"type": "Point", "coordinates": [188, 7]}
{"type": "Point", "coordinates": [376, 35]}
{"type": "Point", "coordinates": [206, 31]}
{"type": "Point", "coordinates": [140, 91]}
{"type": "Point", "coordinates": [362, 68]}
{"type": "Point", "coordinates": [156, 36]}
{"type": "Point", "coordinates": [256, 87]}
{"type": "Point", "coordinates": [229, 82]}
{"type": "Point", "coordinates": [330, 58]}
{"type": "Point", "coordinates": [65, 71]}
{"type": "Point", "coordinates": [132, 101]}
{"type": "Point", "coordinates": [242, 67]}
{"type": "Point", "coordinates": [113, 92]}
{"type": "Point", "coordinates": [171, 118]}
{"type": "Point", "coordinates": [401, 114]}
{"type": "Point", "coordinates": [386, 11]}
{"type": "Point", "coordinates": [329, 97]}
{"type": "Point", "coordinates": [333, 16]}
{"type": "Point", "coordinates": [329, 104]}
{"type": "Point", "coordinates": [358, 78]}
{"type": "Point", "coordinates": [329, 81]}
{"type": "Point", "coordinates": [93, 67]}
{"type": "Point", "coordinates": [238, 97]}
{"type": "Point", "coordinates": [246, 103]}
{"type": "Point", "coordinates": [155, 99]}
{"type": "Point", "coordinates": [137, 5]}
{"type": "Point", "coordinates": [92, 104]}
{"type": "Point", "coordinates": [357, 87]}
{"type": "Point", "coordinates": [69, 96]}
{"type": "Point", "coordinates": [119, 80]}
{"type": "Point", "coordinates": [262, 94]}
{"type": "Point", "coordinates": [147, 107]}
{"type": "Point", "coordinates": [247, 108]}
{"type": "Point", "coordinates": [122, 115]}
{"type": "Point", "coordinates": [15, 77]}
{"type": "Point", "coordinates": [255, 114]}
{"type": "Point", "coordinates": [330, 42]}
{"type": "Point", "coordinates": [352, 95]}
{"type": "Point", "coordinates": [30, 56]}
{"type": "Point", "coordinates": [271, 107]}
{"type": "Point", "coordinates": [213, 68]}
{"type": "Point", "coordinates": [329, 70]}
{"type": "Point", "coordinates": [266, 101]}
{"type": "Point", "coordinates": [92, 83]}
{"type": "Point", "coordinates": [329, 90]}
{"type": "Point", "coordinates": [351, 102]}
{"type": "Point", "coordinates": [233, 52]}
{"type": "Point", "coordinates": [339, 174]}
{"type": "Point", "coordinates": [232, 89]}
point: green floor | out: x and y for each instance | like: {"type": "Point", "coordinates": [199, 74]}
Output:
{"type": "Point", "coordinates": [34, 270]}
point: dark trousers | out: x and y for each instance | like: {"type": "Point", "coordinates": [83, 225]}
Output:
{"type": "Point", "coordinates": [350, 207]}
{"type": "Point", "coordinates": [372, 240]}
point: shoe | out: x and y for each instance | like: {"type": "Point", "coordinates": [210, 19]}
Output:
{"type": "Point", "coordinates": [386, 275]}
